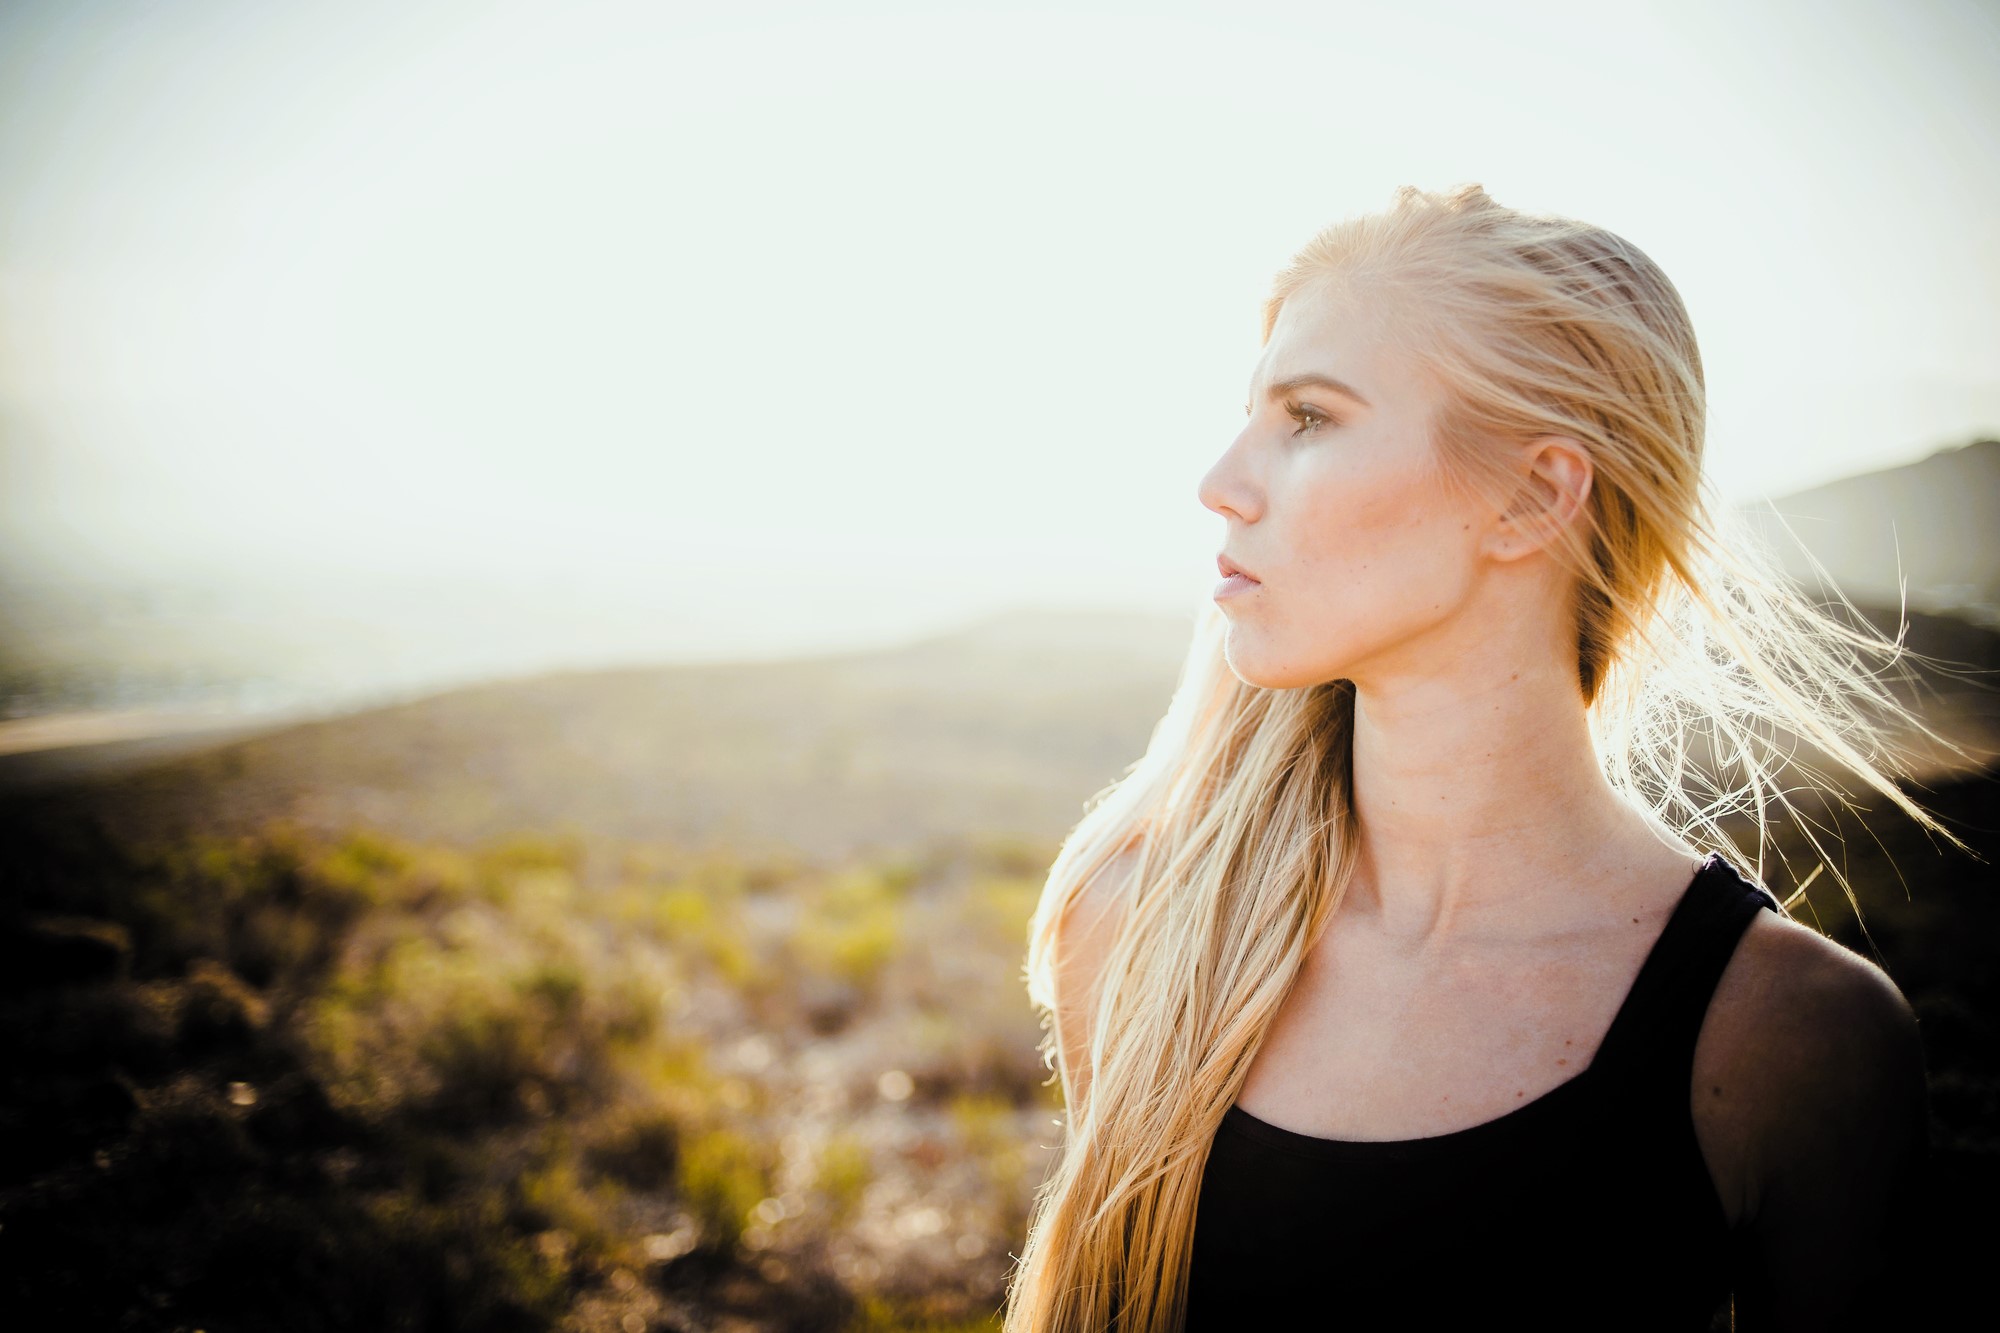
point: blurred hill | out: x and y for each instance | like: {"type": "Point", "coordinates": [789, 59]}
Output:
{"type": "Point", "coordinates": [1937, 521]}
{"type": "Point", "coordinates": [1004, 726]}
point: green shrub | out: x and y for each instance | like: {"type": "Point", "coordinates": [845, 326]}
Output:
{"type": "Point", "coordinates": [850, 929]}
{"type": "Point", "coordinates": [558, 985]}
{"type": "Point", "coordinates": [366, 861]}
{"type": "Point", "coordinates": [877, 1314]}
{"type": "Point", "coordinates": [552, 1196]}
{"type": "Point", "coordinates": [723, 1175]}
{"type": "Point", "coordinates": [841, 1172]}
{"type": "Point", "coordinates": [682, 911]}
{"type": "Point", "coordinates": [1003, 904]}
{"type": "Point", "coordinates": [639, 1147]}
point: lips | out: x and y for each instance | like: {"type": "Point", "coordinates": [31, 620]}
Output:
{"type": "Point", "coordinates": [1228, 567]}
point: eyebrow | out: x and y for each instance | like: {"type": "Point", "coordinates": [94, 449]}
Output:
{"type": "Point", "coordinates": [1314, 380]}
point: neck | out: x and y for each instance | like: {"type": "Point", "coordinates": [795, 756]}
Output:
{"type": "Point", "coordinates": [1481, 803]}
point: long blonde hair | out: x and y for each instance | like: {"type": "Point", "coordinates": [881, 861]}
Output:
{"type": "Point", "coordinates": [1696, 658]}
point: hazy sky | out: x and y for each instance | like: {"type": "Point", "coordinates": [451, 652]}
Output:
{"type": "Point", "coordinates": [790, 323]}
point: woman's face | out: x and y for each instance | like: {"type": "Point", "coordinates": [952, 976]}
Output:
{"type": "Point", "coordinates": [1335, 506]}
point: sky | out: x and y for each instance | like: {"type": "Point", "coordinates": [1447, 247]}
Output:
{"type": "Point", "coordinates": [449, 339]}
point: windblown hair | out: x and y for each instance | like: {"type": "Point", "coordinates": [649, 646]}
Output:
{"type": "Point", "coordinates": [1704, 670]}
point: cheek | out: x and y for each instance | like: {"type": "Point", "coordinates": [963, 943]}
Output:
{"type": "Point", "coordinates": [1381, 535]}
{"type": "Point", "coordinates": [1370, 556]}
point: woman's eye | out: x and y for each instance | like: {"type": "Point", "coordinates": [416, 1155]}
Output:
{"type": "Point", "coordinates": [1308, 418]}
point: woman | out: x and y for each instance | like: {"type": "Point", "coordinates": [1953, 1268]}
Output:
{"type": "Point", "coordinates": [1395, 980]}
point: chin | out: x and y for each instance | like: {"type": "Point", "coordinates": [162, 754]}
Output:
{"type": "Point", "coordinates": [1269, 667]}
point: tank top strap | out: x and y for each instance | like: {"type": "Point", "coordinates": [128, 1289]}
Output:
{"type": "Point", "coordinates": [1654, 1033]}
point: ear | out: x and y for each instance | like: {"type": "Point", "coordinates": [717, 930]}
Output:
{"type": "Point", "coordinates": [1556, 474]}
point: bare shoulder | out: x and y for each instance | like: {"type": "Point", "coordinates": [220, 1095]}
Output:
{"type": "Point", "coordinates": [1084, 935]}
{"type": "Point", "coordinates": [1808, 1048]}
{"type": "Point", "coordinates": [1089, 923]}
{"type": "Point", "coordinates": [1789, 988]}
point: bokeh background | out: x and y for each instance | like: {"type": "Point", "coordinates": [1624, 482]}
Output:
{"type": "Point", "coordinates": [564, 569]}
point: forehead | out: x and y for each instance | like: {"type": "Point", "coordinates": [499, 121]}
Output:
{"type": "Point", "coordinates": [1330, 328]}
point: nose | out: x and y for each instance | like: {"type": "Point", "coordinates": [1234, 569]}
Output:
{"type": "Point", "coordinates": [1226, 489]}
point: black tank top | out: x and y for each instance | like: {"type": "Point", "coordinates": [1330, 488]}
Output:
{"type": "Point", "coordinates": [1589, 1207]}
